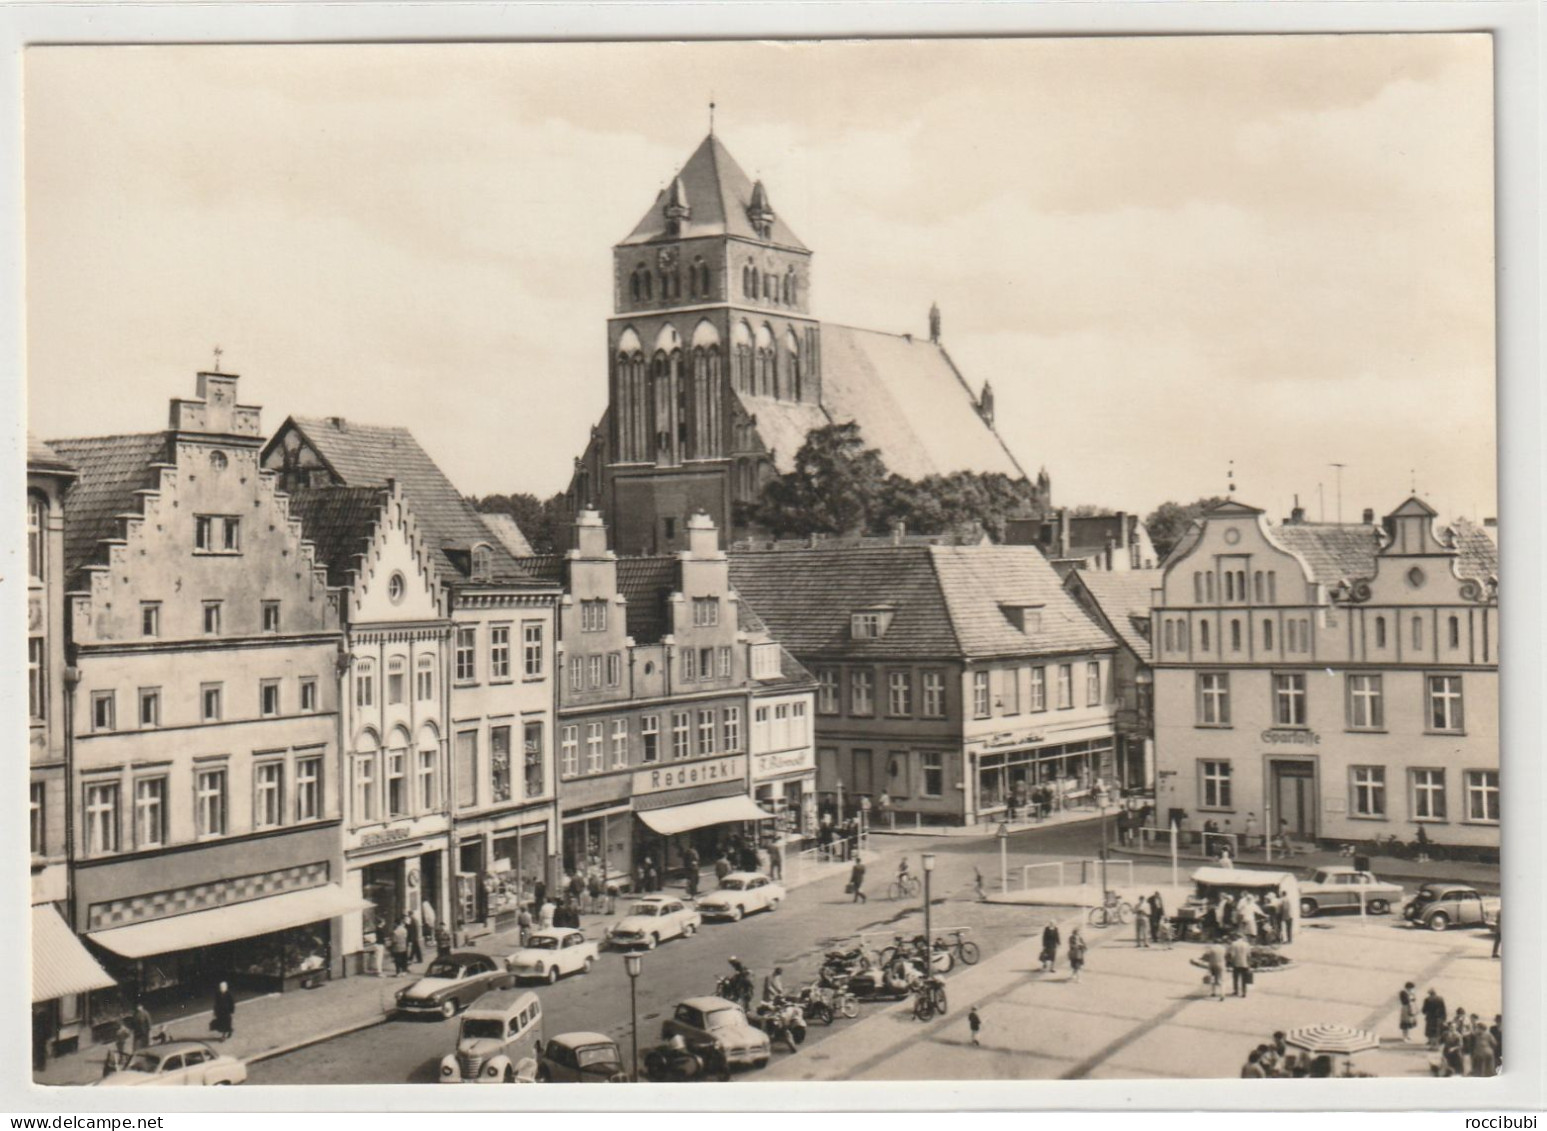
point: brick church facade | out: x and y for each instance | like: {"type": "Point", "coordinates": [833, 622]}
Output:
{"type": "Point", "coordinates": [718, 370]}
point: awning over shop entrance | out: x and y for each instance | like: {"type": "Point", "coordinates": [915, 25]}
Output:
{"type": "Point", "coordinates": [702, 814]}
{"type": "Point", "coordinates": [61, 966]}
{"type": "Point", "coordinates": [225, 924]}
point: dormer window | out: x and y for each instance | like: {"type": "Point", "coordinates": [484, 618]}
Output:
{"type": "Point", "coordinates": [483, 562]}
{"type": "Point", "coordinates": [1025, 616]}
{"type": "Point", "coordinates": [870, 624]}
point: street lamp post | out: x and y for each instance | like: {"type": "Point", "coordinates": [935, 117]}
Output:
{"type": "Point", "coordinates": [1004, 856]}
{"type": "Point", "coordinates": [633, 963]}
{"type": "Point", "coordinates": [929, 938]}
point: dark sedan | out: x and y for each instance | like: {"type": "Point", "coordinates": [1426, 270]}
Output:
{"type": "Point", "coordinates": [453, 983]}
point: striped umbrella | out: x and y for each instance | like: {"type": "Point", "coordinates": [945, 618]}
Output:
{"type": "Point", "coordinates": [1339, 1039]}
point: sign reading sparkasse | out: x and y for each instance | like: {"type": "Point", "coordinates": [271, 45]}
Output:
{"type": "Point", "coordinates": [1280, 736]}
{"type": "Point", "coordinates": [731, 768]}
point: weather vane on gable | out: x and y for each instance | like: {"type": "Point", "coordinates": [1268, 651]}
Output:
{"type": "Point", "coordinates": [218, 352]}
{"type": "Point", "coordinates": [711, 113]}
{"type": "Point", "coordinates": [1230, 481]}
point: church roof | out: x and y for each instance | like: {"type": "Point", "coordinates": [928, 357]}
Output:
{"type": "Point", "coordinates": [340, 522]}
{"type": "Point", "coordinates": [783, 425]}
{"type": "Point", "coordinates": [718, 195]}
{"type": "Point", "coordinates": [910, 402]}
{"type": "Point", "coordinates": [110, 470]}
{"type": "Point", "coordinates": [367, 455]}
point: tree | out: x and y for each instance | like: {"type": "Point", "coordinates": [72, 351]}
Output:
{"type": "Point", "coordinates": [540, 520]}
{"type": "Point", "coordinates": [1169, 521]}
{"type": "Point", "coordinates": [835, 487]}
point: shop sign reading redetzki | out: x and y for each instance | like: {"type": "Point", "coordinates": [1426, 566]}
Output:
{"type": "Point", "coordinates": [733, 768]}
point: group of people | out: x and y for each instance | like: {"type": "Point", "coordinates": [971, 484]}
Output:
{"type": "Point", "coordinates": [1265, 917]}
{"type": "Point", "coordinates": [1235, 956]}
{"type": "Point", "coordinates": [1150, 925]}
{"type": "Point", "coordinates": [408, 936]}
{"type": "Point", "coordinates": [1277, 1060]}
{"type": "Point", "coordinates": [837, 838]}
{"type": "Point", "coordinates": [1051, 938]}
{"type": "Point", "coordinates": [1467, 1046]}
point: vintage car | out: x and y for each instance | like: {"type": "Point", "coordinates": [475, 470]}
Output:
{"type": "Point", "coordinates": [552, 953]}
{"type": "Point", "coordinates": [741, 893]}
{"type": "Point", "coordinates": [177, 1063]}
{"type": "Point", "coordinates": [1337, 887]}
{"type": "Point", "coordinates": [498, 1040]}
{"type": "Point", "coordinates": [581, 1058]}
{"type": "Point", "coordinates": [1440, 905]}
{"type": "Point", "coordinates": [702, 1021]}
{"type": "Point", "coordinates": [454, 982]}
{"type": "Point", "coordinates": [652, 920]}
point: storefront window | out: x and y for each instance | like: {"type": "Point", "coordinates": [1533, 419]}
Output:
{"type": "Point", "coordinates": [532, 751]}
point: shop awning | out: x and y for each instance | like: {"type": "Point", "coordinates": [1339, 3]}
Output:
{"type": "Point", "coordinates": [225, 924]}
{"type": "Point", "coordinates": [61, 966]}
{"type": "Point", "coordinates": [702, 814]}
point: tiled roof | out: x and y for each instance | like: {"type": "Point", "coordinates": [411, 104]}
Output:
{"type": "Point", "coordinates": [1334, 551]}
{"type": "Point", "coordinates": [947, 600]}
{"type": "Point", "coordinates": [783, 425]}
{"type": "Point", "coordinates": [504, 528]}
{"type": "Point", "coordinates": [367, 455]}
{"type": "Point", "coordinates": [979, 581]}
{"type": "Point", "coordinates": [1477, 555]}
{"type": "Point", "coordinates": [41, 457]}
{"type": "Point", "coordinates": [110, 469]}
{"type": "Point", "coordinates": [910, 402]}
{"type": "Point", "coordinates": [718, 194]}
{"type": "Point", "coordinates": [1123, 596]}
{"type": "Point", "coordinates": [340, 522]}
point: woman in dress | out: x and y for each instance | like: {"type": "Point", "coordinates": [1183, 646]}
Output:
{"type": "Point", "coordinates": [1409, 1019]}
{"type": "Point", "coordinates": [1076, 953]}
{"type": "Point", "coordinates": [224, 1021]}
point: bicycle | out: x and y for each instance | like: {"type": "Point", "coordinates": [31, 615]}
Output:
{"type": "Point", "coordinates": [929, 999]}
{"type": "Point", "coordinates": [1112, 912]}
{"type": "Point", "coordinates": [904, 887]}
{"type": "Point", "coordinates": [963, 950]}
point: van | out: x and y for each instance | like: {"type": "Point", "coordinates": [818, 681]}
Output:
{"type": "Point", "coordinates": [497, 1041]}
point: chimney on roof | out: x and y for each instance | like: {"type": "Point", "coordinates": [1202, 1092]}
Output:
{"type": "Point", "coordinates": [1491, 523]}
{"type": "Point", "coordinates": [934, 323]}
{"type": "Point", "coordinates": [590, 534]}
{"type": "Point", "coordinates": [1369, 516]}
{"type": "Point", "coordinates": [1107, 557]}
{"type": "Point", "coordinates": [1064, 537]}
{"type": "Point", "coordinates": [339, 422]}
{"type": "Point", "coordinates": [899, 532]}
{"type": "Point", "coordinates": [703, 537]}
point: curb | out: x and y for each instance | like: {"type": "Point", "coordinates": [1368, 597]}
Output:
{"type": "Point", "coordinates": [316, 1039]}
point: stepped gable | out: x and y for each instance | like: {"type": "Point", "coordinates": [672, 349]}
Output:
{"type": "Point", "coordinates": [340, 522]}
{"type": "Point", "coordinates": [110, 473]}
{"type": "Point", "coordinates": [719, 198]}
{"type": "Point", "coordinates": [910, 402]}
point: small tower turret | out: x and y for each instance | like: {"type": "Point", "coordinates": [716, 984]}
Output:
{"type": "Point", "coordinates": [677, 209]}
{"type": "Point", "coordinates": [986, 404]}
{"type": "Point", "coordinates": [934, 323]}
{"type": "Point", "coordinates": [760, 212]}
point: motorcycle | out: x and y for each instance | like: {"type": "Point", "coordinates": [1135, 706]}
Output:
{"type": "Point", "coordinates": [815, 1003]}
{"type": "Point", "coordinates": [783, 1020]}
{"type": "Point", "coordinates": [666, 1064]}
{"type": "Point", "coordinates": [893, 983]}
{"type": "Point", "coordinates": [735, 988]}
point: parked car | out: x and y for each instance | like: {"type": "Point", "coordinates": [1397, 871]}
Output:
{"type": "Point", "coordinates": [741, 893]}
{"type": "Point", "coordinates": [498, 1040]}
{"type": "Point", "coordinates": [704, 1021]}
{"type": "Point", "coordinates": [177, 1063]}
{"type": "Point", "coordinates": [454, 982]}
{"type": "Point", "coordinates": [652, 920]}
{"type": "Point", "coordinates": [553, 953]}
{"type": "Point", "coordinates": [1442, 905]}
{"type": "Point", "coordinates": [1338, 886]}
{"type": "Point", "coordinates": [581, 1058]}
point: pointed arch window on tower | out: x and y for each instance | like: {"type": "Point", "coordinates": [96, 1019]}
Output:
{"type": "Point", "coordinates": [792, 373]}
{"type": "Point", "coordinates": [749, 280]}
{"type": "Point", "coordinates": [703, 280]}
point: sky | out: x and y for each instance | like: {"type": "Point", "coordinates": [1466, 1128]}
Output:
{"type": "Point", "coordinates": [1166, 254]}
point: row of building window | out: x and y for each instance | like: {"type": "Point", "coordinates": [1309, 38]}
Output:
{"type": "Point", "coordinates": [768, 286]}
{"type": "Point", "coordinates": [1368, 794]}
{"type": "Point", "coordinates": [990, 696]}
{"type": "Point", "coordinates": [104, 704]}
{"type": "Point", "coordinates": [147, 809]}
{"type": "Point", "coordinates": [1364, 701]}
{"type": "Point", "coordinates": [1297, 634]}
{"type": "Point", "coordinates": [780, 726]}
{"type": "Point", "coordinates": [502, 769]}
{"type": "Point", "coordinates": [213, 617]}
{"type": "Point", "coordinates": [608, 743]}
{"type": "Point", "coordinates": [644, 285]}
{"type": "Point", "coordinates": [1230, 585]}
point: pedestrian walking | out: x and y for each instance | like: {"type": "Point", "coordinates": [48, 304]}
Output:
{"type": "Point", "coordinates": [1157, 916]}
{"type": "Point", "coordinates": [400, 948]}
{"type": "Point", "coordinates": [690, 866]}
{"type": "Point", "coordinates": [539, 894]}
{"type": "Point", "coordinates": [1214, 962]}
{"type": "Point", "coordinates": [773, 984]}
{"type": "Point", "coordinates": [224, 1021]}
{"type": "Point", "coordinates": [857, 882]}
{"type": "Point", "coordinates": [415, 939]}
{"type": "Point", "coordinates": [140, 1024]}
{"type": "Point", "coordinates": [1407, 1020]}
{"type": "Point", "coordinates": [545, 915]}
{"type": "Point", "coordinates": [1141, 923]}
{"type": "Point", "coordinates": [975, 1024]}
{"type": "Point", "coordinates": [1434, 1014]}
{"type": "Point", "coordinates": [775, 862]}
{"type": "Point", "coordinates": [1249, 833]}
{"type": "Point", "coordinates": [443, 937]}
{"type": "Point", "coordinates": [1498, 932]}
{"type": "Point", "coordinates": [1050, 942]}
{"type": "Point", "coordinates": [1076, 953]}
{"type": "Point", "coordinates": [1238, 955]}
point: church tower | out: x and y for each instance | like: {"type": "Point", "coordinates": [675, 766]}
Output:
{"type": "Point", "coordinates": [711, 303]}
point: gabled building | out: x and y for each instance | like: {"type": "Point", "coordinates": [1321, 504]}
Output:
{"type": "Point", "coordinates": [719, 368]}
{"type": "Point", "coordinates": [1336, 682]}
{"type": "Point", "coordinates": [951, 679]}
{"type": "Point", "coordinates": [204, 715]}
{"type": "Point", "coordinates": [501, 776]}
{"type": "Point", "coordinates": [394, 707]}
{"type": "Point", "coordinates": [1110, 543]}
{"type": "Point", "coordinates": [664, 667]}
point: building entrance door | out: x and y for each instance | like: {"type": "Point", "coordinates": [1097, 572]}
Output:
{"type": "Point", "coordinates": [1294, 798]}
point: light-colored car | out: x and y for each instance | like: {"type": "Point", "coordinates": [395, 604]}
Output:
{"type": "Point", "coordinates": [702, 1021]}
{"type": "Point", "coordinates": [741, 893]}
{"type": "Point", "coordinates": [581, 1058]}
{"type": "Point", "coordinates": [498, 1040]}
{"type": "Point", "coordinates": [552, 953]}
{"type": "Point", "coordinates": [453, 983]}
{"type": "Point", "coordinates": [1337, 886]}
{"type": "Point", "coordinates": [1440, 906]}
{"type": "Point", "coordinates": [177, 1063]}
{"type": "Point", "coordinates": [653, 919]}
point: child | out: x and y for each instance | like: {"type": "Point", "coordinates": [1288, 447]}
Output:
{"type": "Point", "coordinates": [974, 1022]}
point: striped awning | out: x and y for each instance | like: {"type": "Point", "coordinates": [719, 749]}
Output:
{"type": "Point", "coordinates": [233, 921]}
{"type": "Point", "coordinates": [702, 814]}
{"type": "Point", "coordinates": [61, 966]}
